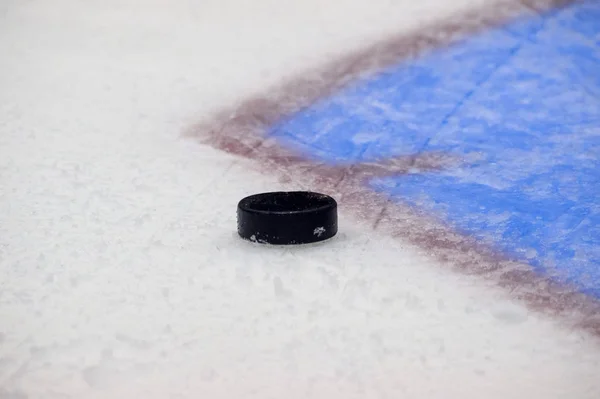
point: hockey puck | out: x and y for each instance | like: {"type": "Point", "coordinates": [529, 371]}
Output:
{"type": "Point", "coordinates": [286, 218]}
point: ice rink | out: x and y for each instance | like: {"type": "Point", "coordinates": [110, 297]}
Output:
{"type": "Point", "coordinates": [127, 137]}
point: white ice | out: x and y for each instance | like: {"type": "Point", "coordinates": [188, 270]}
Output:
{"type": "Point", "coordinates": [120, 272]}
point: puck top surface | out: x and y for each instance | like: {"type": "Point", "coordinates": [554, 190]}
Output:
{"type": "Point", "coordinates": [287, 217]}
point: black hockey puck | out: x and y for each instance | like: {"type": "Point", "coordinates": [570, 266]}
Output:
{"type": "Point", "coordinates": [285, 218]}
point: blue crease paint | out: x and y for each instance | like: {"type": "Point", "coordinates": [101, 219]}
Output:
{"type": "Point", "coordinates": [525, 99]}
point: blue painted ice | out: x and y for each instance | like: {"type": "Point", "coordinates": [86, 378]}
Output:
{"type": "Point", "coordinates": [524, 101]}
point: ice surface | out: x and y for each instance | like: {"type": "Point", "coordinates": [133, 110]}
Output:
{"type": "Point", "coordinates": [120, 272]}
